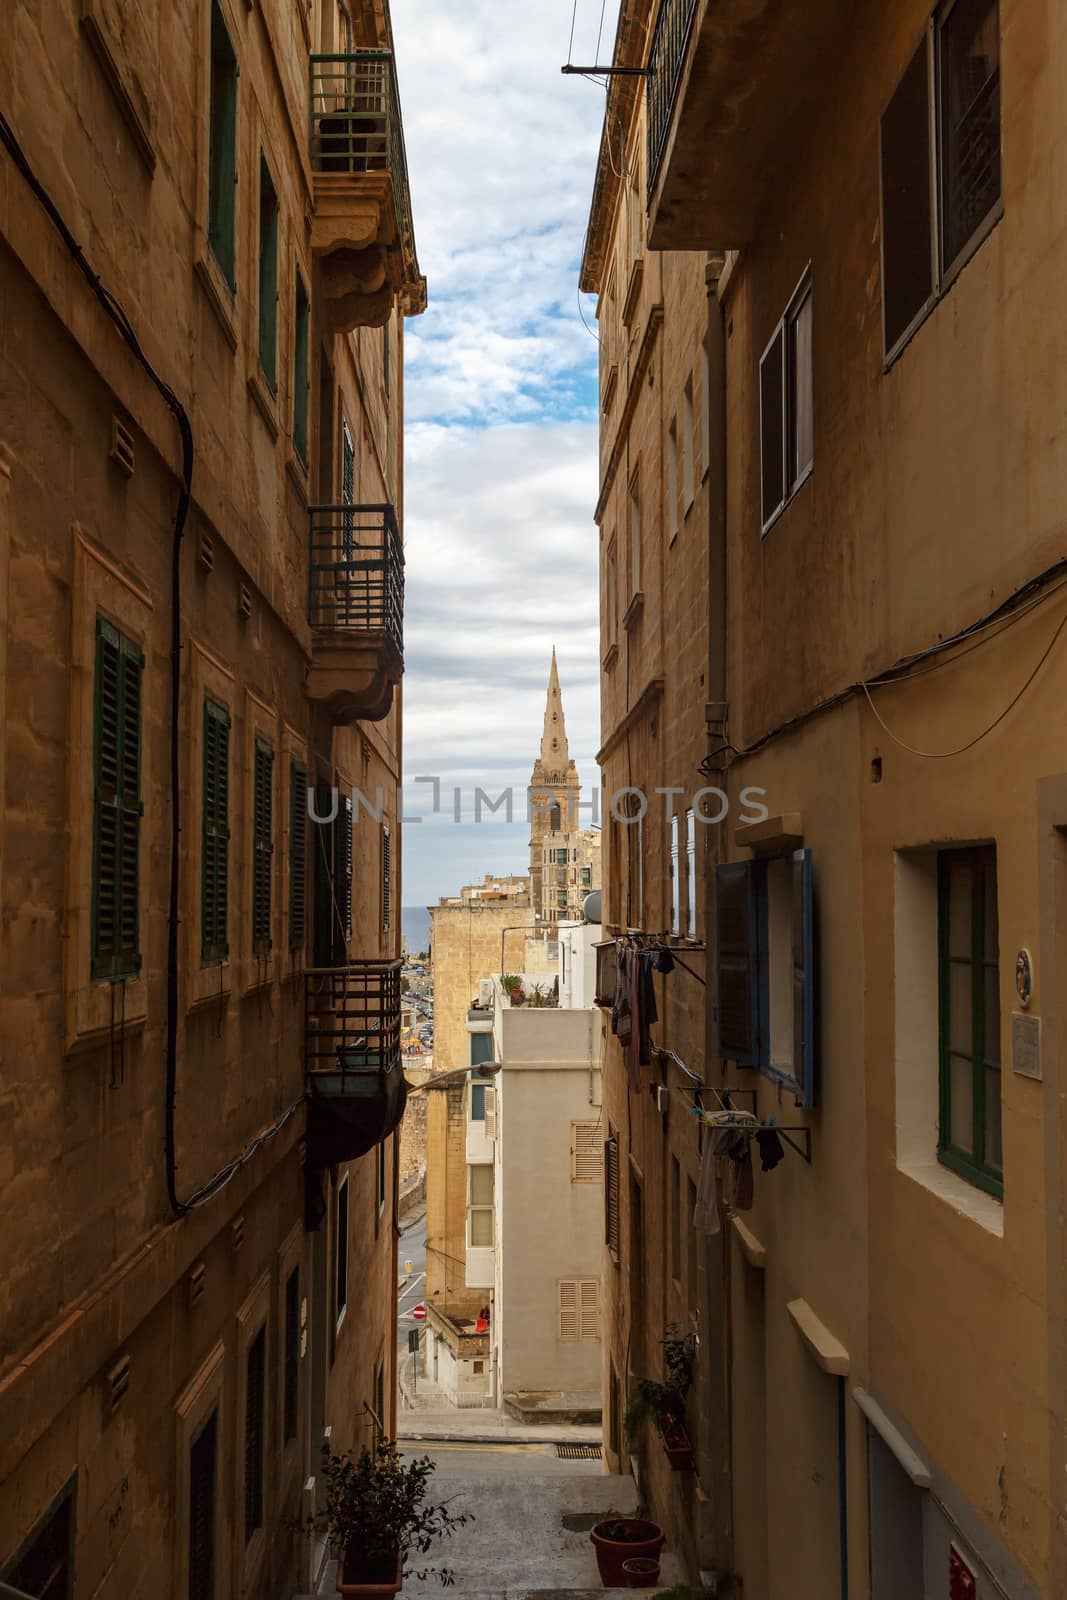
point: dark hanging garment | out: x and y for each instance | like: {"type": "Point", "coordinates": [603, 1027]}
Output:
{"type": "Point", "coordinates": [662, 959]}
{"type": "Point", "coordinates": [647, 1012]}
{"type": "Point", "coordinates": [770, 1149]}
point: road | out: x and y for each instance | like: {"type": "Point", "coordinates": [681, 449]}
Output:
{"type": "Point", "coordinates": [411, 1285]}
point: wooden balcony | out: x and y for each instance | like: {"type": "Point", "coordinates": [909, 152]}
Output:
{"type": "Point", "coordinates": [732, 88]}
{"type": "Point", "coordinates": [361, 226]}
{"type": "Point", "coordinates": [352, 1058]}
{"type": "Point", "coordinates": [355, 609]}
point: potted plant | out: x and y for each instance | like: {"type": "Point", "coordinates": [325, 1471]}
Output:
{"type": "Point", "coordinates": [664, 1403]}
{"type": "Point", "coordinates": [511, 984]}
{"type": "Point", "coordinates": [619, 1539]}
{"type": "Point", "coordinates": [375, 1515]}
{"type": "Point", "coordinates": [640, 1572]}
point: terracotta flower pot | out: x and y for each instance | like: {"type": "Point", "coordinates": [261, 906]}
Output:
{"type": "Point", "coordinates": [619, 1539]}
{"type": "Point", "coordinates": [516, 997]}
{"type": "Point", "coordinates": [359, 1585]}
{"type": "Point", "coordinates": [676, 1444]}
{"type": "Point", "coordinates": [640, 1572]}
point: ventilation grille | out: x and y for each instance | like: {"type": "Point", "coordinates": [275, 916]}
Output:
{"type": "Point", "coordinates": [205, 551]}
{"type": "Point", "coordinates": [122, 446]}
{"type": "Point", "coordinates": [118, 1382]}
{"type": "Point", "coordinates": [578, 1452]}
{"type": "Point", "coordinates": [244, 601]}
{"type": "Point", "coordinates": [197, 1283]}
{"type": "Point", "coordinates": [237, 1234]}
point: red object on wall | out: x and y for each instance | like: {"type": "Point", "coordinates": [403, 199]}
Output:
{"type": "Point", "coordinates": [961, 1584]}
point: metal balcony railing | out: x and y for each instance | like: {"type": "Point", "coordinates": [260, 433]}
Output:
{"type": "Point", "coordinates": [356, 127]}
{"type": "Point", "coordinates": [666, 59]}
{"type": "Point", "coordinates": [352, 1019]}
{"type": "Point", "coordinates": [356, 570]}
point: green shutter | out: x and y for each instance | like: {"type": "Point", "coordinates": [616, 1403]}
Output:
{"type": "Point", "coordinates": [387, 879]}
{"type": "Point", "coordinates": [215, 852]}
{"type": "Point", "coordinates": [262, 846]}
{"type": "Point", "coordinates": [222, 152]}
{"type": "Point", "coordinates": [115, 933]}
{"type": "Point", "coordinates": [342, 874]}
{"type": "Point", "coordinates": [300, 371]}
{"type": "Point", "coordinates": [298, 826]}
{"type": "Point", "coordinates": [268, 277]}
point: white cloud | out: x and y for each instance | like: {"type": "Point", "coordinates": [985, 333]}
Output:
{"type": "Point", "coordinates": [501, 442]}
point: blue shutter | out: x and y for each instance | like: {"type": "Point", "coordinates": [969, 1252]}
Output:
{"type": "Point", "coordinates": [737, 963]}
{"type": "Point", "coordinates": [803, 916]}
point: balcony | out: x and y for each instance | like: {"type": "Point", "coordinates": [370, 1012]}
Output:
{"type": "Point", "coordinates": [732, 87]}
{"type": "Point", "coordinates": [361, 227]}
{"type": "Point", "coordinates": [355, 609]}
{"type": "Point", "coordinates": [352, 1059]}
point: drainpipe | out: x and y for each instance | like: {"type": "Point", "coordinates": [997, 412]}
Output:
{"type": "Point", "coordinates": [717, 1334]}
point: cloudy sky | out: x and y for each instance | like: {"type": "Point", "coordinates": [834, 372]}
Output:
{"type": "Point", "coordinates": [501, 458]}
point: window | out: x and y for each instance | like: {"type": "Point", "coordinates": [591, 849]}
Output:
{"type": "Point", "coordinates": [340, 1253]}
{"type": "Point", "coordinates": [291, 1371]}
{"type": "Point", "coordinates": [222, 149]}
{"type": "Point", "coordinates": [587, 1153]}
{"type": "Point", "coordinates": [255, 1422]}
{"type": "Point", "coordinates": [786, 407]}
{"type": "Point", "coordinates": [203, 1499]}
{"type": "Point", "coordinates": [387, 878]}
{"type": "Point", "coordinates": [342, 872]}
{"type": "Point", "coordinates": [634, 826]}
{"type": "Point", "coordinates": [300, 370]}
{"type": "Point", "coordinates": [262, 845]}
{"type": "Point", "coordinates": [480, 1081]}
{"type": "Point", "coordinates": [635, 533]}
{"type": "Point", "coordinates": [612, 597]}
{"type": "Point", "coordinates": [116, 949]}
{"type": "Point", "coordinates": [587, 877]}
{"type": "Point", "coordinates": [481, 1048]}
{"type": "Point", "coordinates": [561, 899]}
{"type": "Point", "coordinates": [691, 875]}
{"type": "Point", "coordinates": [348, 489]}
{"type": "Point", "coordinates": [675, 1203]}
{"type": "Point", "coordinates": [578, 1310]}
{"type": "Point", "coordinates": [611, 1195]}
{"type": "Point", "coordinates": [215, 842]}
{"type": "Point", "coordinates": [44, 1564]}
{"type": "Point", "coordinates": [676, 909]}
{"type": "Point", "coordinates": [940, 161]}
{"type": "Point", "coordinates": [561, 858]}
{"type": "Point", "coordinates": [765, 943]}
{"type": "Point", "coordinates": [481, 1205]}
{"type": "Point", "coordinates": [969, 1138]}
{"type": "Point", "coordinates": [688, 475]}
{"type": "Point", "coordinates": [690, 1248]}
{"type": "Point", "coordinates": [672, 480]}
{"type": "Point", "coordinates": [268, 277]}
{"type": "Point", "coordinates": [298, 832]}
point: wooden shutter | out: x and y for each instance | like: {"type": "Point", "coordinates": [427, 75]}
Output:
{"type": "Point", "coordinates": [737, 964]}
{"type": "Point", "coordinates": [222, 149]}
{"type": "Point", "coordinates": [611, 1195]}
{"type": "Point", "coordinates": [291, 1387]}
{"type": "Point", "coordinates": [342, 873]}
{"type": "Point", "coordinates": [908, 276]}
{"type": "Point", "coordinates": [589, 1309]}
{"type": "Point", "coordinates": [387, 878]}
{"type": "Point", "coordinates": [298, 864]}
{"type": "Point", "coordinates": [587, 1153]}
{"type": "Point", "coordinates": [215, 835]}
{"type": "Point", "coordinates": [490, 1112]}
{"type": "Point", "coordinates": [772, 425]}
{"type": "Point", "coordinates": [803, 941]}
{"type": "Point", "coordinates": [567, 1307]}
{"type": "Point", "coordinates": [116, 804]}
{"type": "Point", "coordinates": [203, 1474]}
{"type": "Point", "coordinates": [255, 1410]}
{"type": "Point", "coordinates": [262, 846]}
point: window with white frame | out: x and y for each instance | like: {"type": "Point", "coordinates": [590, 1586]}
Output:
{"type": "Point", "coordinates": [480, 1205]}
{"type": "Point", "coordinates": [691, 874]}
{"type": "Point", "coordinates": [787, 441]}
{"type": "Point", "coordinates": [676, 886]}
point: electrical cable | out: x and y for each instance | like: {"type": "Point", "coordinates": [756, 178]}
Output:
{"type": "Point", "coordinates": [570, 46]}
{"type": "Point", "coordinates": [122, 322]}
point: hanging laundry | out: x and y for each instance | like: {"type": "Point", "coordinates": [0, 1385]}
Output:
{"type": "Point", "coordinates": [706, 1210]}
{"type": "Point", "coordinates": [770, 1149]}
{"type": "Point", "coordinates": [646, 1009]}
{"type": "Point", "coordinates": [621, 1011]}
{"type": "Point", "coordinates": [741, 1172]}
{"type": "Point", "coordinates": [662, 959]}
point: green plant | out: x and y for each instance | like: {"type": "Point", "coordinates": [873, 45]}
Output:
{"type": "Point", "coordinates": [661, 1403]}
{"type": "Point", "coordinates": [375, 1510]}
{"type": "Point", "coordinates": [510, 981]}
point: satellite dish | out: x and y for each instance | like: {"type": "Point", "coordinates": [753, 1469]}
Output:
{"type": "Point", "coordinates": [591, 907]}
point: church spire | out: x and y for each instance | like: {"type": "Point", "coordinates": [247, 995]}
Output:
{"type": "Point", "coordinates": [555, 755]}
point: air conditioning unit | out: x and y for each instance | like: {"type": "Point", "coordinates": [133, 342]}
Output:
{"type": "Point", "coordinates": [485, 991]}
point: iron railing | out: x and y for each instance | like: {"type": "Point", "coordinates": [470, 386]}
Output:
{"type": "Point", "coordinates": [356, 127]}
{"type": "Point", "coordinates": [665, 62]}
{"type": "Point", "coordinates": [356, 570]}
{"type": "Point", "coordinates": [352, 1018]}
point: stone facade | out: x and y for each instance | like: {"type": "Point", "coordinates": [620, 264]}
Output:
{"type": "Point", "coordinates": [132, 1318]}
{"type": "Point", "coordinates": [879, 1394]}
{"type": "Point", "coordinates": [480, 931]}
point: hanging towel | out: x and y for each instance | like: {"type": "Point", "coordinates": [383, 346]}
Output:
{"type": "Point", "coordinates": [770, 1149]}
{"type": "Point", "coordinates": [647, 1011]}
{"type": "Point", "coordinates": [662, 959]}
{"type": "Point", "coordinates": [706, 1210]}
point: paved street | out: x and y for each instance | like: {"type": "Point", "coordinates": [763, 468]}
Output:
{"type": "Point", "coordinates": [411, 1287]}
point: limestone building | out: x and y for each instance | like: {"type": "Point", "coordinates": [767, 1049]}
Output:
{"type": "Point", "coordinates": [831, 567]}
{"type": "Point", "coordinates": [201, 603]}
